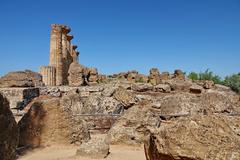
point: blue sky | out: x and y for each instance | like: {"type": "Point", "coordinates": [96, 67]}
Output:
{"type": "Point", "coordinates": [121, 35]}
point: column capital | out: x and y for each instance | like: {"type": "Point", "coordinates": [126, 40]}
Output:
{"type": "Point", "coordinates": [60, 27]}
{"type": "Point", "coordinates": [69, 37]}
{"type": "Point", "coordinates": [66, 29]}
{"type": "Point", "coordinates": [74, 47]}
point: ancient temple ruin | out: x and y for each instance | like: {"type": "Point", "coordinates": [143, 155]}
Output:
{"type": "Point", "coordinates": [62, 54]}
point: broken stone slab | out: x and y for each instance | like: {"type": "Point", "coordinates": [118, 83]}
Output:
{"type": "Point", "coordinates": [196, 89]}
{"type": "Point", "coordinates": [162, 88]}
{"type": "Point", "coordinates": [142, 87]}
{"type": "Point", "coordinates": [199, 137]}
{"type": "Point", "coordinates": [49, 122]}
{"type": "Point", "coordinates": [97, 147]}
{"type": "Point", "coordinates": [208, 84]}
{"type": "Point", "coordinates": [126, 98]}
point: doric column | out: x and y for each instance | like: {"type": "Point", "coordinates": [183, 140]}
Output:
{"type": "Point", "coordinates": [78, 53]}
{"type": "Point", "coordinates": [56, 59]}
{"type": "Point", "coordinates": [69, 46]}
{"type": "Point", "coordinates": [69, 38]}
{"type": "Point", "coordinates": [74, 53]}
{"type": "Point", "coordinates": [48, 75]}
{"type": "Point", "coordinates": [65, 54]}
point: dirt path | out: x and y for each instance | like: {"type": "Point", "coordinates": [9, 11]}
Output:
{"type": "Point", "coordinates": [117, 152]}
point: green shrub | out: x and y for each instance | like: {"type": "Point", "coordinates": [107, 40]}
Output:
{"type": "Point", "coordinates": [233, 82]}
{"type": "Point", "coordinates": [193, 76]}
{"type": "Point", "coordinates": [207, 75]}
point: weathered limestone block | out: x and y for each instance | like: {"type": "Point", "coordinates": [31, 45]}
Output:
{"type": "Point", "coordinates": [154, 76]}
{"type": "Point", "coordinates": [9, 133]}
{"type": "Point", "coordinates": [179, 85]}
{"type": "Point", "coordinates": [142, 87]}
{"type": "Point", "coordinates": [48, 75]}
{"type": "Point", "coordinates": [131, 127]}
{"type": "Point", "coordinates": [196, 89]}
{"type": "Point", "coordinates": [47, 122]}
{"type": "Point", "coordinates": [131, 76]}
{"type": "Point", "coordinates": [179, 74]}
{"type": "Point", "coordinates": [208, 84]}
{"type": "Point", "coordinates": [93, 76]}
{"type": "Point", "coordinates": [76, 74]}
{"type": "Point", "coordinates": [162, 88]}
{"type": "Point", "coordinates": [97, 147]}
{"type": "Point", "coordinates": [164, 76]}
{"type": "Point", "coordinates": [125, 97]}
{"type": "Point", "coordinates": [200, 137]}
{"type": "Point", "coordinates": [25, 78]}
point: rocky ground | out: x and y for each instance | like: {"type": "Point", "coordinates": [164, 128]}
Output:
{"type": "Point", "coordinates": [173, 117]}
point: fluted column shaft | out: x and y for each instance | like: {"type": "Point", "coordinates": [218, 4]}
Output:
{"type": "Point", "coordinates": [56, 56]}
{"type": "Point", "coordinates": [48, 75]}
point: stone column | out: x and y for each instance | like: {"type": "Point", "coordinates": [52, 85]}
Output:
{"type": "Point", "coordinates": [75, 57]}
{"type": "Point", "coordinates": [56, 59]}
{"type": "Point", "coordinates": [48, 75]}
{"type": "Point", "coordinates": [65, 54]}
{"type": "Point", "coordinates": [69, 46]}
{"type": "Point", "coordinates": [74, 53]}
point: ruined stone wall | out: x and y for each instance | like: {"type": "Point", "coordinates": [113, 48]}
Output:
{"type": "Point", "coordinates": [19, 97]}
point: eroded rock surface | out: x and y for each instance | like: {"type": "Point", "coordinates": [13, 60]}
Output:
{"type": "Point", "coordinates": [130, 127]}
{"type": "Point", "coordinates": [47, 122]}
{"type": "Point", "coordinates": [76, 74]}
{"type": "Point", "coordinates": [9, 134]}
{"type": "Point", "coordinates": [201, 137]}
{"type": "Point", "coordinates": [125, 97]}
